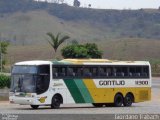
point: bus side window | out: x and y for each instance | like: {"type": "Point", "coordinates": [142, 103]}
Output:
{"type": "Point", "coordinates": [138, 71]}
{"type": "Point", "coordinates": [62, 72]}
{"type": "Point", "coordinates": [55, 72]}
{"type": "Point", "coordinates": [114, 72]}
{"type": "Point", "coordinates": [87, 72]}
{"type": "Point", "coordinates": [125, 71]}
{"type": "Point", "coordinates": [94, 71]}
{"type": "Point", "coordinates": [145, 71]}
{"type": "Point", "coordinates": [132, 72]}
{"type": "Point", "coordinates": [44, 69]}
{"type": "Point", "coordinates": [109, 71]}
{"type": "Point", "coordinates": [79, 72]}
{"type": "Point", "coordinates": [102, 71]}
{"type": "Point", "coordinates": [71, 71]}
{"type": "Point", "coordinates": [120, 72]}
{"type": "Point", "coordinates": [59, 72]}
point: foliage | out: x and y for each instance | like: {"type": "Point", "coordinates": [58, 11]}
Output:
{"type": "Point", "coordinates": [4, 46]}
{"type": "Point", "coordinates": [3, 51]}
{"type": "Point", "coordinates": [89, 50]}
{"type": "Point", "coordinates": [93, 50]}
{"type": "Point", "coordinates": [4, 81]}
{"type": "Point", "coordinates": [56, 41]}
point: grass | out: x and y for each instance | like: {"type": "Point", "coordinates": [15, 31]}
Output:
{"type": "Point", "coordinates": [31, 27]}
{"type": "Point", "coordinates": [120, 49]}
{"type": "Point", "coordinates": [27, 33]}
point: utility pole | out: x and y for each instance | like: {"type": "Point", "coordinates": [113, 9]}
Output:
{"type": "Point", "coordinates": [1, 52]}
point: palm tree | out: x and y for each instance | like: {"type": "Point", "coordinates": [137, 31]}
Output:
{"type": "Point", "coordinates": [56, 41]}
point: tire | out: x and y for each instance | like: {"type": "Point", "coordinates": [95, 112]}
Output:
{"type": "Point", "coordinates": [118, 100]}
{"type": "Point", "coordinates": [97, 104]}
{"type": "Point", "coordinates": [56, 102]}
{"type": "Point", "coordinates": [128, 100]}
{"type": "Point", "coordinates": [34, 106]}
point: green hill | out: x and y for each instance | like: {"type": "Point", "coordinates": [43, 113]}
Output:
{"type": "Point", "coordinates": [121, 34]}
{"type": "Point", "coordinates": [27, 21]}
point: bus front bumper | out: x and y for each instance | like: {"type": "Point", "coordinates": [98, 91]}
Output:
{"type": "Point", "coordinates": [22, 100]}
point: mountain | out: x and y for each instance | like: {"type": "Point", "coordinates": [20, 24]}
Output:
{"type": "Point", "coordinates": [27, 21]}
{"type": "Point", "coordinates": [120, 34]}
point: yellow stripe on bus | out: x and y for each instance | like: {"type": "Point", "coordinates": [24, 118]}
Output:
{"type": "Point", "coordinates": [106, 95]}
{"type": "Point", "coordinates": [99, 95]}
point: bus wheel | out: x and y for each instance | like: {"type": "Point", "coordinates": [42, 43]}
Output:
{"type": "Point", "coordinates": [97, 104]}
{"type": "Point", "coordinates": [128, 100]}
{"type": "Point", "coordinates": [34, 106]}
{"type": "Point", "coordinates": [118, 100]}
{"type": "Point", "coordinates": [56, 101]}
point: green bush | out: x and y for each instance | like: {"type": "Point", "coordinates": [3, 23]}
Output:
{"type": "Point", "coordinates": [4, 81]}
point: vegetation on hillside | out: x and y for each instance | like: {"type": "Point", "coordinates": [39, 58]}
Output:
{"type": "Point", "coordinates": [121, 34]}
{"type": "Point", "coordinates": [119, 23]}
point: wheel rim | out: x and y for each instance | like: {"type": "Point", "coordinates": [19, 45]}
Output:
{"type": "Point", "coordinates": [56, 102]}
{"type": "Point", "coordinates": [118, 101]}
{"type": "Point", "coordinates": [128, 100]}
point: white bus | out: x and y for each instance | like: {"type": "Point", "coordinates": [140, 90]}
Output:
{"type": "Point", "coordinates": [100, 82]}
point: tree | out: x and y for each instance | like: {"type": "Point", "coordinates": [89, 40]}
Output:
{"type": "Point", "coordinates": [76, 3]}
{"type": "Point", "coordinates": [3, 51]}
{"type": "Point", "coordinates": [56, 41]}
{"type": "Point", "coordinates": [93, 50]}
{"type": "Point", "coordinates": [88, 50]}
{"type": "Point", "coordinates": [89, 5]}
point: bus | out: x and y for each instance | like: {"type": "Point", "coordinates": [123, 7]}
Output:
{"type": "Point", "coordinates": [100, 82]}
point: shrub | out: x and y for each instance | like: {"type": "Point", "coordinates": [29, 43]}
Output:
{"type": "Point", "coordinates": [4, 81]}
{"type": "Point", "coordinates": [88, 50]}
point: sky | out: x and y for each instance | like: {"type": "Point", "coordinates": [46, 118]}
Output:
{"type": "Point", "coordinates": [118, 4]}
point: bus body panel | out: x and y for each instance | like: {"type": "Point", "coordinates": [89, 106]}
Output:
{"type": "Point", "coordinates": [88, 90]}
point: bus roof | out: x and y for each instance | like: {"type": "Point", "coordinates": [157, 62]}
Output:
{"type": "Point", "coordinates": [103, 62]}
{"type": "Point", "coordinates": [84, 61]}
{"type": "Point", "coordinates": [34, 62]}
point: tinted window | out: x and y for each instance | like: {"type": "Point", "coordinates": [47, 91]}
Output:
{"type": "Point", "coordinates": [44, 69]}
{"type": "Point", "coordinates": [87, 72]}
{"type": "Point", "coordinates": [18, 69]}
{"type": "Point", "coordinates": [90, 71]}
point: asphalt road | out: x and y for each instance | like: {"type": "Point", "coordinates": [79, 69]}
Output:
{"type": "Point", "coordinates": [151, 107]}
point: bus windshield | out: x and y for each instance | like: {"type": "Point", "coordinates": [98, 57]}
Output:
{"type": "Point", "coordinates": [30, 79]}
{"type": "Point", "coordinates": [18, 69]}
{"type": "Point", "coordinates": [23, 83]}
